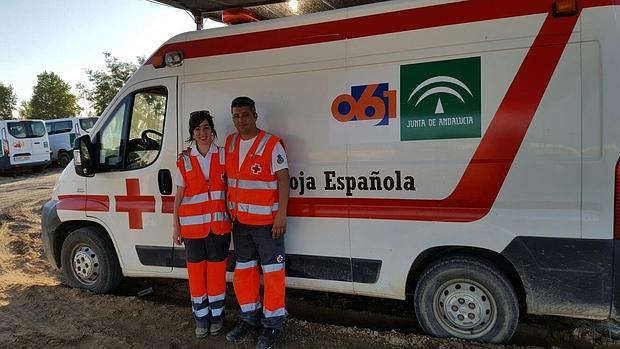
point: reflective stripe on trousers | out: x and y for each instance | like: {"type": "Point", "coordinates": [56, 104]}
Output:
{"type": "Point", "coordinates": [275, 313]}
{"type": "Point", "coordinates": [250, 307]}
{"type": "Point", "coordinates": [246, 265]}
{"type": "Point", "coordinates": [216, 310]}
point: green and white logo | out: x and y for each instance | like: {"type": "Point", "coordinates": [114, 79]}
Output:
{"type": "Point", "coordinates": [440, 100]}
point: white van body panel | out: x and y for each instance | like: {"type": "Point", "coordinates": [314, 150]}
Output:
{"type": "Point", "coordinates": [556, 190]}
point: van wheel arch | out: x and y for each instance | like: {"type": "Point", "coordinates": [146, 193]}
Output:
{"type": "Point", "coordinates": [426, 258]}
{"type": "Point", "coordinates": [64, 157]}
{"type": "Point", "coordinates": [66, 228]}
{"type": "Point", "coordinates": [89, 260]}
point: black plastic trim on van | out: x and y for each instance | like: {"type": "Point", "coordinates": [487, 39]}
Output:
{"type": "Point", "coordinates": [358, 270]}
{"type": "Point", "coordinates": [567, 276]}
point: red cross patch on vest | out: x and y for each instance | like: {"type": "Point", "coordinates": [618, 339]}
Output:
{"type": "Point", "coordinates": [256, 169]}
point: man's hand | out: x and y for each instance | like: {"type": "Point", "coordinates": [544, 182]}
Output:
{"type": "Point", "coordinates": [279, 225]}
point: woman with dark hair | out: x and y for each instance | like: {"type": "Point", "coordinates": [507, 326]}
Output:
{"type": "Point", "coordinates": [201, 222]}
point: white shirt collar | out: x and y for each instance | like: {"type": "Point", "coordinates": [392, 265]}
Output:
{"type": "Point", "coordinates": [195, 152]}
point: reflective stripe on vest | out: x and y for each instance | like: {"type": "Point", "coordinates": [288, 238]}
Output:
{"type": "Point", "coordinates": [222, 154]}
{"type": "Point", "coordinates": [187, 162]}
{"type": "Point", "coordinates": [254, 209]}
{"type": "Point", "coordinates": [204, 197]}
{"type": "Point", "coordinates": [203, 218]}
{"type": "Point", "coordinates": [231, 148]}
{"type": "Point", "coordinates": [262, 144]}
{"type": "Point", "coordinates": [245, 184]}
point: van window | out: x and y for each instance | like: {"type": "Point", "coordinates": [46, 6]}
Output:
{"type": "Point", "coordinates": [61, 127]}
{"type": "Point", "coordinates": [132, 137]}
{"type": "Point", "coordinates": [147, 125]}
{"type": "Point", "coordinates": [26, 129]}
{"type": "Point", "coordinates": [110, 154]}
{"type": "Point", "coordinates": [48, 127]}
{"type": "Point", "coordinates": [87, 124]}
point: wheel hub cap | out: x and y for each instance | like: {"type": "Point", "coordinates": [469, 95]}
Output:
{"type": "Point", "coordinates": [86, 264]}
{"type": "Point", "coordinates": [465, 308]}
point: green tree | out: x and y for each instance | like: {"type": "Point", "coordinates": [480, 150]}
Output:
{"type": "Point", "coordinates": [25, 111]}
{"type": "Point", "coordinates": [52, 98]}
{"type": "Point", "coordinates": [106, 83]}
{"type": "Point", "coordinates": [7, 101]}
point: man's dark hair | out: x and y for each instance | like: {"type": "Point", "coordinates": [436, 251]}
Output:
{"type": "Point", "coordinates": [243, 101]}
{"type": "Point", "coordinates": [196, 118]}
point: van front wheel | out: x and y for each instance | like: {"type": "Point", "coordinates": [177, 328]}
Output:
{"type": "Point", "coordinates": [89, 261]}
{"type": "Point", "coordinates": [466, 297]}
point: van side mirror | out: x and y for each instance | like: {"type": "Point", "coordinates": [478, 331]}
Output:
{"type": "Point", "coordinates": [83, 152]}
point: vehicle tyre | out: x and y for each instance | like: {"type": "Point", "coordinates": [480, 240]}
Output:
{"type": "Point", "coordinates": [89, 261]}
{"type": "Point", "coordinates": [466, 297]}
{"type": "Point", "coordinates": [63, 159]}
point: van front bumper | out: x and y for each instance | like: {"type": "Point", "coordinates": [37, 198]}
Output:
{"type": "Point", "coordinates": [49, 224]}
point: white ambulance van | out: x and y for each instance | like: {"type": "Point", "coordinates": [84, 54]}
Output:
{"type": "Point", "coordinates": [463, 153]}
{"type": "Point", "coordinates": [25, 144]}
{"type": "Point", "coordinates": [62, 133]}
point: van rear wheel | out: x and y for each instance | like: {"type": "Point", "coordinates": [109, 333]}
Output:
{"type": "Point", "coordinates": [63, 159]}
{"type": "Point", "coordinates": [89, 261]}
{"type": "Point", "coordinates": [466, 297]}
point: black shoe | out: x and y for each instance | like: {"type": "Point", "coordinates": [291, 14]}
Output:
{"type": "Point", "coordinates": [268, 338]}
{"type": "Point", "coordinates": [240, 332]}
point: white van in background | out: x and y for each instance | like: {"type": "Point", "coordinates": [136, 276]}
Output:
{"type": "Point", "coordinates": [24, 144]}
{"type": "Point", "coordinates": [62, 133]}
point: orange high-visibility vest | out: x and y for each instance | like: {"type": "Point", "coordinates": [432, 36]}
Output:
{"type": "Point", "coordinates": [252, 189]}
{"type": "Point", "coordinates": [203, 208]}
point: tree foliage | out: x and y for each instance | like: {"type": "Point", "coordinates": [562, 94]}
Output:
{"type": "Point", "coordinates": [51, 98]}
{"type": "Point", "coordinates": [7, 101]}
{"type": "Point", "coordinates": [25, 111]}
{"type": "Point", "coordinates": [106, 83]}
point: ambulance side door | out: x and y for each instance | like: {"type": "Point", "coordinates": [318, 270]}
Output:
{"type": "Point", "coordinates": [137, 152]}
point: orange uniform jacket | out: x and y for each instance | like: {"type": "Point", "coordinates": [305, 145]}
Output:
{"type": "Point", "coordinates": [252, 189]}
{"type": "Point", "coordinates": [203, 208]}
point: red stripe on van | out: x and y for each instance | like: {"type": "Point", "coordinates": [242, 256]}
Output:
{"type": "Point", "coordinates": [167, 204]}
{"type": "Point", "coordinates": [357, 27]}
{"type": "Point", "coordinates": [99, 203]}
{"type": "Point", "coordinates": [477, 190]}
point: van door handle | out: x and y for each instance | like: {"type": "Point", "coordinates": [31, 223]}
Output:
{"type": "Point", "coordinates": [164, 179]}
{"type": "Point", "coordinates": [37, 142]}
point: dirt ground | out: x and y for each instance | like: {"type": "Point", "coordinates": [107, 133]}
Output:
{"type": "Point", "coordinates": [37, 310]}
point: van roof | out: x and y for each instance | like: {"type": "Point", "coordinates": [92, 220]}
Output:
{"type": "Point", "coordinates": [347, 23]}
{"type": "Point", "coordinates": [266, 9]}
{"type": "Point", "coordinates": [18, 120]}
{"type": "Point", "coordinates": [72, 118]}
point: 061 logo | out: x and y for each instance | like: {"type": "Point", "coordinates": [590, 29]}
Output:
{"type": "Point", "coordinates": [366, 102]}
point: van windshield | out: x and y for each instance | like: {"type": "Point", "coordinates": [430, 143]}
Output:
{"type": "Point", "coordinates": [26, 129]}
{"type": "Point", "coordinates": [87, 124]}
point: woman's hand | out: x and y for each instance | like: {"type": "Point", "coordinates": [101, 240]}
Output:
{"type": "Point", "coordinates": [176, 236]}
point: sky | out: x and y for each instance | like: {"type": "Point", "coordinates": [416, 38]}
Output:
{"type": "Point", "coordinates": [68, 36]}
